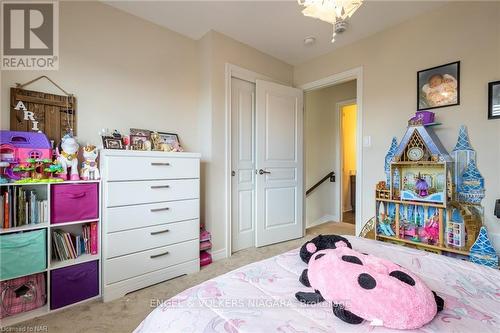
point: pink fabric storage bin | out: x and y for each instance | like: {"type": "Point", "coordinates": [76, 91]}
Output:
{"type": "Point", "coordinates": [74, 202]}
{"type": "Point", "coordinates": [22, 294]}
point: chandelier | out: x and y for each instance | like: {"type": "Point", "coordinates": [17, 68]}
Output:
{"type": "Point", "coordinates": [331, 11]}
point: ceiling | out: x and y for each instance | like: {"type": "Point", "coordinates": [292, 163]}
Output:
{"type": "Point", "coordinates": [277, 28]}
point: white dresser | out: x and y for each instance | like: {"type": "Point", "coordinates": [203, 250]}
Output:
{"type": "Point", "coordinates": [150, 218]}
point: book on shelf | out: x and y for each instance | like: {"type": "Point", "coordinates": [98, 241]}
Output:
{"type": "Point", "coordinates": [67, 245]}
{"type": "Point", "coordinates": [21, 207]}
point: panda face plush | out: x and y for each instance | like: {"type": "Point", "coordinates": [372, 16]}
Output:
{"type": "Point", "coordinates": [363, 287]}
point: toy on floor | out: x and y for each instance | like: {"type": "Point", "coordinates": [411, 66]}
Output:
{"type": "Point", "coordinates": [376, 289]}
{"type": "Point", "coordinates": [205, 245]}
{"type": "Point", "coordinates": [68, 157]}
{"type": "Point", "coordinates": [89, 170]}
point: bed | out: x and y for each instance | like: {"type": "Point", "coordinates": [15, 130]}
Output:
{"type": "Point", "coordinates": [260, 297]}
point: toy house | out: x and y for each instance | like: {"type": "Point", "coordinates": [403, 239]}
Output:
{"type": "Point", "coordinates": [17, 147]}
{"type": "Point", "coordinates": [427, 205]}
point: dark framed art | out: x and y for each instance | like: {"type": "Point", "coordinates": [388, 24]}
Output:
{"type": "Point", "coordinates": [494, 100]}
{"type": "Point", "coordinates": [438, 86]}
{"type": "Point", "coordinates": [110, 142]}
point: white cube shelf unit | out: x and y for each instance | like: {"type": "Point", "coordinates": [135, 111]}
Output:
{"type": "Point", "coordinates": [59, 292]}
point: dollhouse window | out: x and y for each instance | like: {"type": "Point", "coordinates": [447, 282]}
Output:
{"type": "Point", "coordinates": [6, 154]}
{"type": "Point", "coordinates": [35, 154]}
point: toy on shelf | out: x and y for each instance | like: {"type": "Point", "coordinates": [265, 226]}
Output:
{"type": "Point", "coordinates": [431, 230]}
{"type": "Point", "coordinates": [3, 165]}
{"type": "Point", "coordinates": [436, 195]}
{"type": "Point", "coordinates": [388, 159]}
{"type": "Point", "coordinates": [26, 157]}
{"type": "Point", "coordinates": [422, 163]}
{"type": "Point", "coordinates": [382, 191]}
{"type": "Point", "coordinates": [482, 252]}
{"type": "Point", "coordinates": [89, 170]}
{"type": "Point", "coordinates": [68, 157]}
{"type": "Point", "coordinates": [424, 117]}
{"type": "Point", "coordinates": [38, 170]}
{"type": "Point", "coordinates": [205, 245]}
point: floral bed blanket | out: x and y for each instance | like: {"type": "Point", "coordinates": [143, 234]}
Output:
{"type": "Point", "coordinates": [260, 297]}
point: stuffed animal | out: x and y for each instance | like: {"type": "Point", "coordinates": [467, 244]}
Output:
{"type": "Point", "coordinates": [68, 157]}
{"type": "Point", "coordinates": [89, 170]}
{"type": "Point", "coordinates": [364, 287]}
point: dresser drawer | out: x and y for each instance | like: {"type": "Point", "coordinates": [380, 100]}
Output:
{"type": "Point", "coordinates": [139, 216]}
{"type": "Point", "coordinates": [136, 264]}
{"type": "Point", "coordinates": [142, 192]}
{"type": "Point", "coordinates": [145, 168]}
{"type": "Point", "coordinates": [131, 241]}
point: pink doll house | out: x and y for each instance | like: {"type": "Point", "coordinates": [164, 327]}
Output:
{"type": "Point", "coordinates": [17, 147]}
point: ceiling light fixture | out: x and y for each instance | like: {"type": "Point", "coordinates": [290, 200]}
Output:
{"type": "Point", "coordinates": [331, 11]}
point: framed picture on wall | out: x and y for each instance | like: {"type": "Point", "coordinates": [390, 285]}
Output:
{"type": "Point", "coordinates": [438, 87]}
{"type": "Point", "coordinates": [494, 100]}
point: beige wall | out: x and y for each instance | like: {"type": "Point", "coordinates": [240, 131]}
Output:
{"type": "Point", "coordinates": [390, 60]}
{"type": "Point", "coordinates": [321, 136]}
{"type": "Point", "coordinates": [219, 50]}
{"type": "Point", "coordinates": [127, 72]}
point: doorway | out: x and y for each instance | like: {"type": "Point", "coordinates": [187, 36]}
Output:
{"type": "Point", "coordinates": [265, 151]}
{"type": "Point", "coordinates": [327, 149]}
{"type": "Point", "coordinates": [348, 128]}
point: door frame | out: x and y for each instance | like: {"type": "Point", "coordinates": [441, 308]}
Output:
{"type": "Point", "coordinates": [250, 76]}
{"type": "Point", "coordinates": [349, 75]}
{"type": "Point", "coordinates": [340, 151]}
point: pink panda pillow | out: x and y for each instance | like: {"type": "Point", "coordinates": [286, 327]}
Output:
{"type": "Point", "coordinates": [364, 287]}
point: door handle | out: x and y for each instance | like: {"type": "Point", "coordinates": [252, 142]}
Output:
{"type": "Point", "coordinates": [261, 172]}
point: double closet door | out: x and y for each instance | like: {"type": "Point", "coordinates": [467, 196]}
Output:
{"type": "Point", "coordinates": [267, 163]}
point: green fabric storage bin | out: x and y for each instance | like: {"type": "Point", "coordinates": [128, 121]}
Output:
{"type": "Point", "coordinates": [22, 253]}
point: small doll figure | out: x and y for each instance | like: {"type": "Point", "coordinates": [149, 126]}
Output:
{"type": "Point", "coordinates": [89, 169]}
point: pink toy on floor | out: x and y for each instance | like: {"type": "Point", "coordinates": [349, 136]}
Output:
{"type": "Point", "coordinates": [365, 287]}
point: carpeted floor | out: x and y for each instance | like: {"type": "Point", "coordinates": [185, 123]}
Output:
{"type": "Point", "coordinates": [125, 314]}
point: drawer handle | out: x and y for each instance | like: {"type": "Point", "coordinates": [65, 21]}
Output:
{"type": "Point", "coordinates": [154, 187]}
{"type": "Point", "coordinates": [77, 276]}
{"type": "Point", "coordinates": [76, 195]}
{"type": "Point", "coordinates": [159, 255]}
{"type": "Point", "coordinates": [160, 164]}
{"type": "Point", "coordinates": [159, 209]}
{"type": "Point", "coordinates": [159, 232]}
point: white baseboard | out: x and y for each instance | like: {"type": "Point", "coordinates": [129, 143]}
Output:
{"type": "Point", "coordinates": [219, 254]}
{"type": "Point", "coordinates": [324, 219]}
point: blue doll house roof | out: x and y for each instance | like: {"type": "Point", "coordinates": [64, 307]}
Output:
{"type": "Point", "coordinates": [431, 141]}
{"type": "Point", "coordinates": [463, 142]}
{"type": "Point", "coordinates": [483, 245]}
{"type": "Point", "coordinates": [482, 252]}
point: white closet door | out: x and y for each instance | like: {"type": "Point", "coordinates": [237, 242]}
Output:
{"type": "Point", "coordinates": [243, 164]}
{"type": "Point", "coordinates": [279, 161]}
